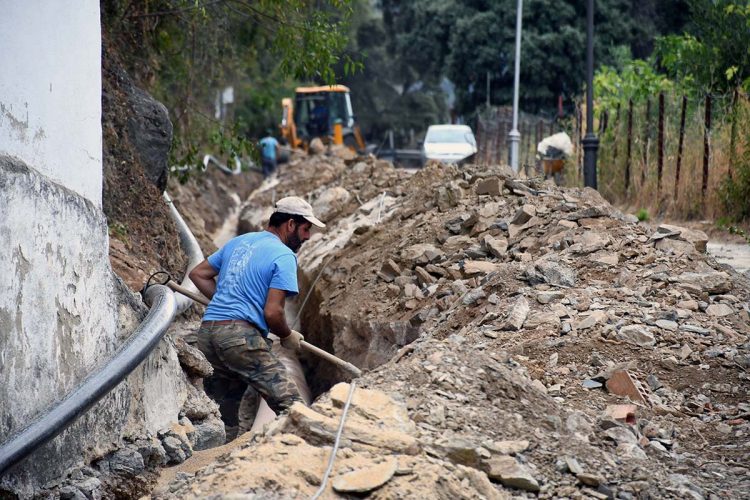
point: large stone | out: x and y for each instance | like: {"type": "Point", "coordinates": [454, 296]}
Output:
{"type": "Point", "coordinates": [150, 132]}
{"type": "Point", "coordinates": [511, 473]}
{"type": "Point", "coordinates": [492, 186]}
{"type": "Point", "coordinates": [517, 315]}
{"type": "Point", "coordinates": [209, 433]}
{"type": "Point", "coordinates": [719, 310]}
{"type": "Point", "coordinates": [592, 319]}
{"type": "Point", "coordinates": [472, 267]}
{"type": "Point", "coordinates": [366, 479]}
{"type": "Point", "coordinates": [637, 335]}
{"type": "Point", "coordinates": [330, 202]}
{"type": "Point", "coordinates": [319, 429]}
{"type": "Point", "coordinates": [497, 247]}
{"type": "Point", "coordinates": [697, 238]}
{"type": "Point", "coordinates": [192, 360]}
{"type": "Point", "coordinates": [374, 406]}
{"type": "Point", "coordinates": [421, 254]}
{"type": "Point", "coordinates": [551, 272]}
{"type": "Point", "coordinates": [715, 282]}
{"type": "Point", "coordinates": [507, 447]}
{"type": "Point", "coordinates": [523, 215]}
{"type": "Point", "coordinates": [317, 147]}
{"type": "Point", "coordinates": [124, 462]}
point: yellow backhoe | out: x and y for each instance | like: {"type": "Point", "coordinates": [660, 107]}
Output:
{"type": "Point", "coordinates": [324, 112]}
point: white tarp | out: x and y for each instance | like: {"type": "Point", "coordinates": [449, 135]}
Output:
{"type": "Point", "coordinates": [560, 141]}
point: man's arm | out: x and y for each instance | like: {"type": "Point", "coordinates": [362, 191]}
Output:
{"type": "Point", "coordinates": [203, 276]}
{"type": "Point", "coordinates": [274, 313]}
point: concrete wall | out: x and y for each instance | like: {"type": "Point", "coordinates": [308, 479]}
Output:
{"type": "Point", "coordinates": [50, 90]}
{"type": "Point", "coordinates": [63, 313]}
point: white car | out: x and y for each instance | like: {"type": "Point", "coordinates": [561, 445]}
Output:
{"type": "Point", "coordinates": [449, 143]}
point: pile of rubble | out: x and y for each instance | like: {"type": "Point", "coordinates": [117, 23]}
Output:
{"type": "Point", "coordinates": [539, 341]}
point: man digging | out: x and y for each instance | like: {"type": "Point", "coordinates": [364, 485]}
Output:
{"type": "Point", "coordinates": [256, 272]}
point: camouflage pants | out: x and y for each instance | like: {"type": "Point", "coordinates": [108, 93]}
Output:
{"type": "Point", "coordinates": [243, 361]}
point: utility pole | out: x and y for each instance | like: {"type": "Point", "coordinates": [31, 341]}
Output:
{"type": "Point", "coordinates": [590, 141]}
{"type": "Point", "coordinates": [514, 137]}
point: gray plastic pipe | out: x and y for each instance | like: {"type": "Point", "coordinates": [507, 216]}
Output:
{"type": "Point", "coordinates": [193, 251]}
{"type": "Point", "coordinates": [98, 384]}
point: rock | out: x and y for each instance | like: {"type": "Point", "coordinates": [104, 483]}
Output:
{"type": "Point", "coordinates": [589, 242]}
{"type": "Point", "coordinates": [447, 197]}
{"type": "Point", "coordinates": [690, 305]}
{"type": "Point", "coordinates": [461, 451]}
{"type": "Point", "coordinates": [423, 277]}
{"type": "Point", "coordinates": [592, 319]}
{"type": "Point", "coordinates": [553, 273]}
{"type": "Point", "coordinates": [71, 493]}
{"type": "Point", "coordinates": [591, 384]}
{"type": "Point", "coordinates": [497, 247]}
{"type": "Point", "coordinates": [421, 254]}
{"type": "Point", "coordinates": [472, 267]}
{"type": "Point", "coordinates": [209, 433]}
{"type": "Point", "coordinates": [590, 479]}
{"type": "Point", "coordinates": [697, 238]}
{"type": "Point", "coordinates": [177, 451]}
{"type": "Point", "coordinates": [507, 447]}
{"type": "Point", "coordinates": [319, 429]}
{"type": "Point", "coordinates": [152, 451]}
{"type": "Point", "coordinates": [523, 215]}
{"type": "Point", "coordinates": [667, 325]}
{"type": "Point", "coordinates": [546, 297]}
{"type": "Point", "coordinates": [511, 473]}
{"type": "Point", "coordinates": [492, 186]}
{"type": "Point", "coordinates": [636, 335]}
{"type": "Point", "coordinates": [517, 315]}
{"type": "Point", "coordinates": [366, 479]}
{"type": "Point", "coordinates": [621, 435]}
{"type": "Point", "coordinates": [192, 360]}
{"type": "Point", "coordinates": [675, 247]}
{"type": "Point", "coordinates": [331, 201]}
{"type": "Point", "coordinates": [149, 131]}
{"type": "Point", "coordinates": [343, 152]}
{"type": "Point", "coordinates": [719, 310]}
{"type": "Point", "coordinates": [715, 282]}
{"type": "Point", "coordinates": [473, 296]}
{"type": "Point", "coordinates": [317, 147]}
{"type": "Point", "coordinates": [125, 462]}
{"type": "Point", "coordinates": [539, 318]}
{"type": "Point", "coordinates": [390, 268]}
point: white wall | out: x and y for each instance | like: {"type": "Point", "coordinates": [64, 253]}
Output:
{"type": "Point", "coordinates": [50, 90]}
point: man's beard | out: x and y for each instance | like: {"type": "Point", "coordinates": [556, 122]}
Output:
{"type": "Point", "coordinates": [293, 241]}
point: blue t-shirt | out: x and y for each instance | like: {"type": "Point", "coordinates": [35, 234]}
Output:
{"type": "Point", "coordinates": [248, 266]}
{"type": "Point", "coordinates": [268, 147]}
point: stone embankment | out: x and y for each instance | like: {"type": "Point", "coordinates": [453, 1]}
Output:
{"type": "Point", "coordinates": [518, 339]}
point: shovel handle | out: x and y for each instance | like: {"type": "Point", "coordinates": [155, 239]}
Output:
{"type": "Point", "coordinates": [304, 344]}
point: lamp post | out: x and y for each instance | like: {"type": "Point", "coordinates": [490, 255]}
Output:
{"type": "Point", "coordinates": [514, 136]}
{"type": "Point", "coordinates": [590, 141]}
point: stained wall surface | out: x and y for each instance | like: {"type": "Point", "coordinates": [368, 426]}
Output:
{"type": "Point", "coordinates": [50, 90]}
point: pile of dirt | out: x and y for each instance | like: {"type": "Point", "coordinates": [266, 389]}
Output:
{"type": "Point", "coordinates": [535, 334]}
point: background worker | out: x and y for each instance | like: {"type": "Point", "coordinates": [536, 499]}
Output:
{"type": "Point", "coordinates": [256, 272]}
{"type": "Point", "coordinates": [269, 152]}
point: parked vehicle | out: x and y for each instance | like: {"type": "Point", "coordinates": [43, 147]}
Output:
{"type": "Point", "coordinates": [449, 143]}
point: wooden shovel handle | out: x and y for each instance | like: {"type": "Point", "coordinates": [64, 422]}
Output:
{"type": "Point", "coordinates": [304, 344]}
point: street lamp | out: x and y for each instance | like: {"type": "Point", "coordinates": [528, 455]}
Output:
{"type": "Point", "coordinates": [590, 141]}
{"type": "Point", "coordinates": [514, 136]}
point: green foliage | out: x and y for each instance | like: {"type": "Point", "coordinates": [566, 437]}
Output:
{"type": "Point", "coordinates": [642, 215]}
{"type": "Point", "coordinates": [185, 51]}
{"type": "Point", "coordinates": [714, 56]}
{"type": "Point", "coordinates": [636, 80]}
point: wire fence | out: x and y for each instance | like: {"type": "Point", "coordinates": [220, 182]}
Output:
{"type": "Point", "coordinates": [492, 128]}
{"type": "Point", "coordinates": [668, 152]}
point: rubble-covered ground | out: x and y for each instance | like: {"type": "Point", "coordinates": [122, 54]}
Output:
{"type": "Point", "coordinates": [518, 339]}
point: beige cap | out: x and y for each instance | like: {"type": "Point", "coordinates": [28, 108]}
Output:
{"type": "Point", "coordinates": [297, 206]}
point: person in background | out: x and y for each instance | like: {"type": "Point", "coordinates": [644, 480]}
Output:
{"type": "Point", "coordinates": [269, 152]}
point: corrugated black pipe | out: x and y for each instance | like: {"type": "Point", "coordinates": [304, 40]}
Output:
{"type": "Point", "coordinates": [138, 346]}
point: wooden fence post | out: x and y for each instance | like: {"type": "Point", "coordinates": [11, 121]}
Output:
{"type": "Point", "coordinates": [679, 147]}
{"type": "Point", "coordinates": [706, 149]}
{"type": "Point", "coordinates": [660, 146]}
{"type": "Point", "coordinates": [614, 139]}
{"type": "Point", "coordinates": [629, 146]}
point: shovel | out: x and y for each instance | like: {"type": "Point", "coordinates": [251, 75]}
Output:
{"type": "Point", "coordinates": [304, 344]}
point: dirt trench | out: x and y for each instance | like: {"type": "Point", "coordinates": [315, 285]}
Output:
{"type": "Point", "coordinates": [490, 314]}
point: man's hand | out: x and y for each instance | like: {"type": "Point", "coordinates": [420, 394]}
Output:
{"type": "Point", "coordinates": [293, 341]}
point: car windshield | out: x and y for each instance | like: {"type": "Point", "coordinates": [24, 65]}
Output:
{"type": "Point", "coordinates": [455, 136]}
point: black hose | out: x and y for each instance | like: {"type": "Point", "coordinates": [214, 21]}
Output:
{"type": "Point", "coordinates": [140, 344]}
